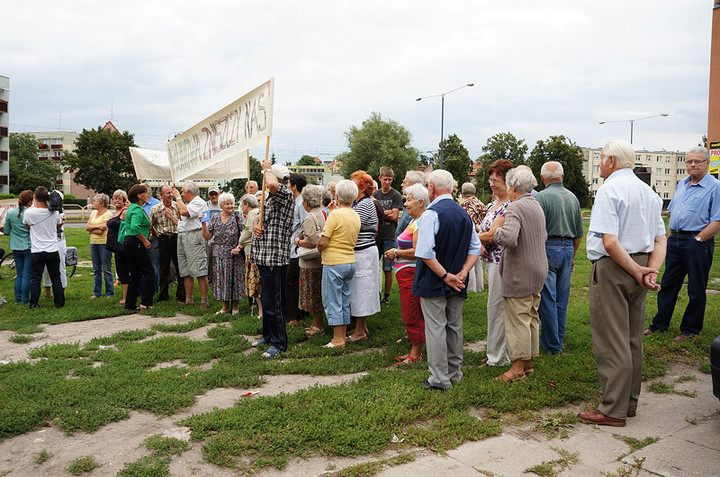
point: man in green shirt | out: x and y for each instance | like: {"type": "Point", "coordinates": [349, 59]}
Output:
{"type": "Point", "coordinates": [563, 222]}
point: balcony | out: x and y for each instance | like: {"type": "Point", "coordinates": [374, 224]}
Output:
{"type": "Point", "coordinates": [3, 132]}
{"type": "Point", "coordinates": [3, 180]}
{"type": "Point", "coordinates": [3, 106]}
{"type": "Point", "coordinates": [43, 146]}
{"type": "Point", "coordinates": [56, 146]}
{"type": "Point", "coordinates": [3, 155]}
{"type": "Point", "coordinates": [59, 182]}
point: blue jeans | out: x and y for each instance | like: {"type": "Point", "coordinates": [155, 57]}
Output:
{"type": "Point", "coordinates": [102, 267]}
{"type": "Point", "coordinates": [272, 295]}
{"type": "Point", "coordinates": [685, 256]}
{"type": "Point", "coordinates": [22, 280]}
{"type": "Point", "coordinates": [335, 284]}
{"type": "Point", "coordinates": [555, 294]}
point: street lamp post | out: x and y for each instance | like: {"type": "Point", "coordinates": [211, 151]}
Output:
{"type": "Point", "coordinates": [442, 116]}
{"type": "Point", "coordinates": [632, 122]}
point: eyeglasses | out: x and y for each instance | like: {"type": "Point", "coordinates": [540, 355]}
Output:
{"type": "Point", "coordinates": [213, 193]}
{"type": "Point", "coordinates": [692, 163]}
{"type": "Point", "coordinates": [496, 181]}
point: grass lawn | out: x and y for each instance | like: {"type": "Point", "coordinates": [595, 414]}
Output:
{"type": "Point", "coordinates": [82, 387]}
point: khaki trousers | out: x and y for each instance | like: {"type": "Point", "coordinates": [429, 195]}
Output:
{"type": "Point", "coordinates": [617, 320]}
{"type": "Point", "coordinates": [522, 326]}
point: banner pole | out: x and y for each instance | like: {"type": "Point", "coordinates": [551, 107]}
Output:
{"type": "Point", "coordinates": [264, 185]}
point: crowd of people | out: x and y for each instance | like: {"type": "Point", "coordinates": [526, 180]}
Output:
{"type": "Point", "coordinates": [295, 249]}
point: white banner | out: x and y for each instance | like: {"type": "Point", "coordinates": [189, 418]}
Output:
{"type": "Point", "coordinates": [155, 166]}
{"type": "Point", "coordinates": [217, 143]}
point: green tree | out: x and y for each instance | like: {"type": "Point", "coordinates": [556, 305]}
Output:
{"type": "Point", "coordinates": [567, 153]}
{"type": "Point", "coordinates": [499, 146]}
{"type": "Point", "coordinates": [456, 159]}
{"type": "Point", "coordinates": [237, 186]}
{"type": "Point", "coordinates": [27, 171]}
{"type": "Point", "coordinates": [379, 143]}
{"type": "Point", "coordinates": [306, 160]}
{"type": "Point", "coordinates": [102, 161]}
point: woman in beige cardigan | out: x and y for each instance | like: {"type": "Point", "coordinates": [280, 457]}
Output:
{"type": "Point", "coordinates": [523, 269]}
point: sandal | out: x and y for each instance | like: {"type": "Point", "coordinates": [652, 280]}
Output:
{"type": "Point", "coordinates": [314, 331]}
{"type": "Point", "coordinates": [352, 339]}
{"type": "Point", "coordinates": [403, 357]}
{"type": "Point", "coordinates": [508, 377]}
{"type": "Point", "coordinates": [410, 360]}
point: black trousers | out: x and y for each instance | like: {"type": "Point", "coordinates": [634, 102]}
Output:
{"type": "Point", "coordinates": [292, 291]}
{"type": "Point", "coordinates": [38, 262]}
{"type": "Point", "coordinates": [167, 249]}
{"type": "Point", "coordinates": [140, 266]}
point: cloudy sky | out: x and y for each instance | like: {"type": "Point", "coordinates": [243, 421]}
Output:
{"type": "Point", "coordinates": [540, 68]}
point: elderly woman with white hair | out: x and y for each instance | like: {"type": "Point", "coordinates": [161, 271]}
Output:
{"type": "Point", "coordinates": [228, 269]}
{"type": "Point", "coordinates": [337, 245]}
{"type": "Point", "coordinates": [404, 262]}
{"type": "Point", "coordinates": [309, 257]}
{"type": "Point", "coordinates": [523, 269]}
{"type": "Point", "coordinates": [477, 211]}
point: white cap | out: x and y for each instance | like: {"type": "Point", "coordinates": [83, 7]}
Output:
{"type": "Point", "coordinates": [280, 171]}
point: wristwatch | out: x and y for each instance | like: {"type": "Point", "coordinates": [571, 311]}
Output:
{"type": "Point", "coordinates": [698, 239]}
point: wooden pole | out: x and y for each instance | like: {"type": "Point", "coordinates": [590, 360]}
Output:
{"type": "Point", "coordinates": [264, 185]}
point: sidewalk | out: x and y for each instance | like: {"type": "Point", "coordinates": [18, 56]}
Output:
{"type": "Point", "coordinates": [688, 430]}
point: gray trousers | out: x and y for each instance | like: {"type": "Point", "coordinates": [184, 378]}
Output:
{"type": "Point", "coordinates": [443, 338]}
{"type": "Point", "coordinates": [617, 320]}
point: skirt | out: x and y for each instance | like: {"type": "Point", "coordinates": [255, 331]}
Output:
{"type": "Point", "coordinates": [365, 287]}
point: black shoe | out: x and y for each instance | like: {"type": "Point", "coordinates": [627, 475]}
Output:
{"type": "Point", "coordinates": [385, 300]}
{"type": "Point", "coordinates": [430, 387]}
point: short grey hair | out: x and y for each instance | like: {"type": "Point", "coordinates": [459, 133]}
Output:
{"type": "Point", "coordinates": [251, 182]}
{"type": "Point", "coordinates": [250, 200]}
{"type": "Point", "coordinates": [521, 178]}
{"type": "Point", "coordinates": [120, 193]}
{"type": "Point", "coordinates": [698, 150]}
{"type": "Point", "coordinates": [225, 197]}
{"type": "Point", "coordinates": [467, 189]}
{"type": "Point", "coordinates": [191, 187]}
{"type": "Point", "coordinates": [419, 192]}
{"type": "Point", "coordinates": [103, 199]}
{"type": "Point", "coordinates": [346, 191]}
{"type": "Point", "coordinates": [415, 177]}
{"type": "Point", "coordinates": [552, 170]}
{"type": "Point", "coordinates": [441, 179]}
{"type": "Point", "coordinates": [622, 150]}
{"type": "Point", "coordinates": [313, 195]}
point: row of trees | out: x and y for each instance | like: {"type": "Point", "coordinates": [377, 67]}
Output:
{"type": "Point", "coordinates": [101, 158]}
{"type": "Point", "coordinates": [382, 142]}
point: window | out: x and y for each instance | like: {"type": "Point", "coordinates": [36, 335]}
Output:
{"type": "Point", "coordinates": [596, 168]}
{"type": "Point", "coordinates": [657, 183]}
{"type": "Point", "coordinates": [667, 171]}
{"type": "Point", "coordinates": [681, 159]}
{"type": "Point", "coordinates": [657, 158]}
{"type": "Point", "coordinates": [658, 170]}
{"type": "Point", "coordinates": [667, 184]}
{"type": "Point", "coordinates": [595, 181]}
{"type": "Point", "coordinates": [666, 195]}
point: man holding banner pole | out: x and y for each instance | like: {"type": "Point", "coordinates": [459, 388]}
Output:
{"type": "Point", "coordinates": [271, 253]}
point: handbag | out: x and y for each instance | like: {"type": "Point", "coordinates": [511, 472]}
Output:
{"type": "Point", "coordinates": [306, 253]}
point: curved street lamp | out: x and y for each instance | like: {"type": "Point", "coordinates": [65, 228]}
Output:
{"type": "Point", "coordinates": [632, 122]}
{"type": "Point", "coordinates": [442, 116]}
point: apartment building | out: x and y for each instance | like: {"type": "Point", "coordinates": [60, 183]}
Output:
{"type": "Point", "coordinates": [52, 145]}
{"type": "Point", "coordinates": [666, 169]}
{"type": "Point", "coordinates": [4, 135]}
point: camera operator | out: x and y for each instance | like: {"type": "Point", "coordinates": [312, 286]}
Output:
{"type": "Point", "coordinates": [44, 247]}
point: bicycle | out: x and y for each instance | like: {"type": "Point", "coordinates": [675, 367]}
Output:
{"type": "Point", "coordinates": [7, 264]}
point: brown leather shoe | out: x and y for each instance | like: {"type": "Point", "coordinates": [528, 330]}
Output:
{"type": "Point", "coordinates": [631, 413]}
{"type": "Point", "coordinates": [648, 331]}
{"type": "Point", "coordinates": [680, 338]}
{"type": "Point", "coordinates": [597, 417]}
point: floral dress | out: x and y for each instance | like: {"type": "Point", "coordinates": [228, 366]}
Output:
{"type": "Point", "coordinates": [494, 250]}
{"type": "Point", "coordinates": [228, 269]}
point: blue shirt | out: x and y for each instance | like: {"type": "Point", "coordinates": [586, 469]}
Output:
{"type": "Point", "coordinates": [149, 205]}
{"type": "Point", "coordinates": [428, 226]}
{"type": "Point", "coordinates": [15, 228]}
{"type": "Point", "coordinates": [694, 206]}
{"type": "Point", "coordinates": [628, 208]}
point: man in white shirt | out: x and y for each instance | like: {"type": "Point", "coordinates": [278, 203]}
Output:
{"type": "Point", "coordinates": [43, 225]}
{"type": "Point", "coordinates": [626, 245]}
{"type": "Point", "coordinates": [192, 257]}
